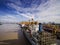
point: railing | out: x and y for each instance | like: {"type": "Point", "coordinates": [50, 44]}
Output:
{"type": "Point", "coordinates": [44, 38]}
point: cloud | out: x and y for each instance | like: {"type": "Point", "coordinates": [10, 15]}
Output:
{"type": "Point", "coordinates": [47, 11]}
{"type": "Point", "coordinates": [50, 14]}
{"type": "Point", "coordinates": [18, 9]}
{"type": "Point", "coordinates": [27, 15]}
{"type": "Point", "coordinates": [8, 18]}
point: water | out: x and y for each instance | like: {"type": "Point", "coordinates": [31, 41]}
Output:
{"type": "Point", "coordinates": [11, 34]}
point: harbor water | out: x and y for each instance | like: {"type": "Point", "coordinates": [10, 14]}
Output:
{"type": "Point", "coordinates": [11, 34]}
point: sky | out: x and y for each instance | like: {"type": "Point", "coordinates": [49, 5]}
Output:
{"type": "Point", "coordinates": [23, 10]}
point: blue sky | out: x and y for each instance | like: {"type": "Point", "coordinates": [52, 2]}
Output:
{"type": "Point", "coordinates": [23, 10]}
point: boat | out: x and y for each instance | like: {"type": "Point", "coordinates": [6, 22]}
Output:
{"type": "Point", "coordinates": [35, 34]}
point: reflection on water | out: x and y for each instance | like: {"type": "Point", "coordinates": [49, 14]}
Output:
{"type": "Point", "coordinates": [11, 34]}
{"type": "Point", "coordinates": [9, 27]}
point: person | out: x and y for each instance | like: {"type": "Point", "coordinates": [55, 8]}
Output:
{"type": "Point", "coordinates": [36, 27]}
{"type": "Point", "coordinates": [40, 27]}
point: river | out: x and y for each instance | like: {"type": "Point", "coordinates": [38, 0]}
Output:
{"type": "Point", "coordinates": [11, 34]}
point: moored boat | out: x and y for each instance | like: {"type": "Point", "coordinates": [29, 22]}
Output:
{"type": "Point", "coordinates": [37, 36]}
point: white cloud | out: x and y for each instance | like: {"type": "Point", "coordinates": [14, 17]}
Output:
{"type": "Point", "coordinates": [48, 11]}
{"type": "Point", "coordinates": [52, 13]}
{"type": "Point", "coordinates": [8, 18]}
